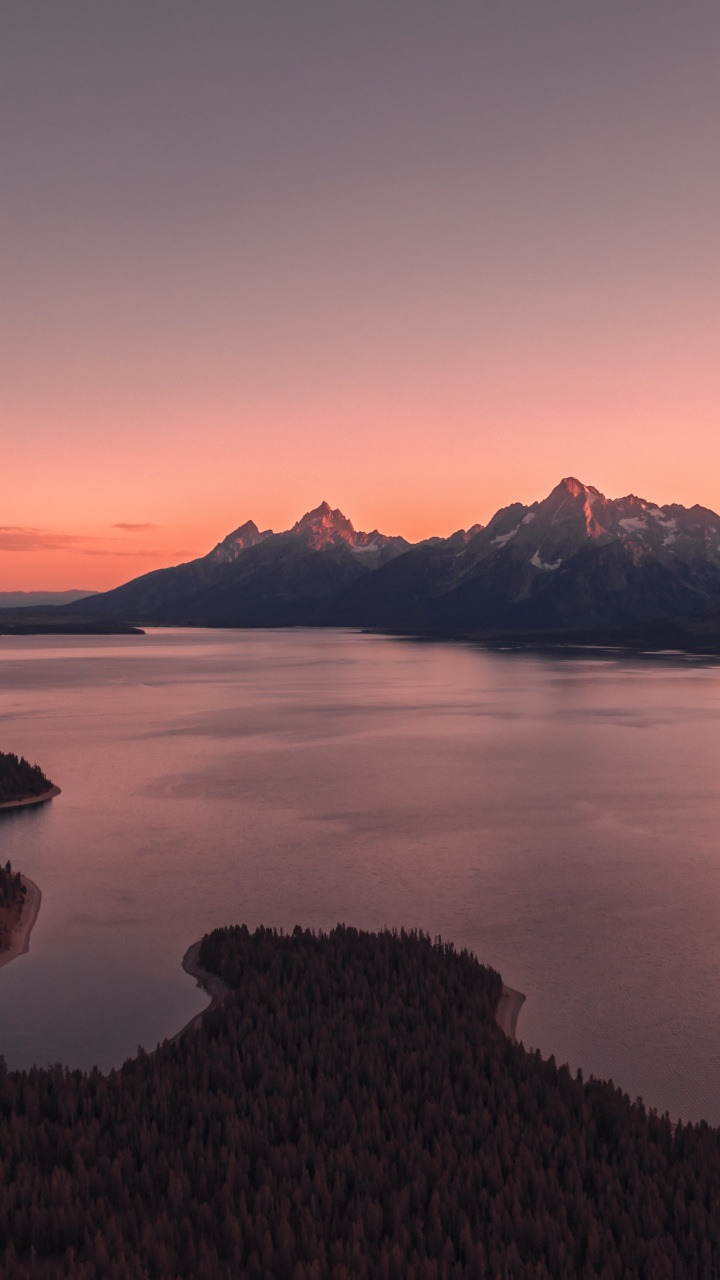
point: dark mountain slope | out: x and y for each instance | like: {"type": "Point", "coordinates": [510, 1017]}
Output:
{"type": "Point", "coordinates": [697, 633]}
{"type": "Point", "coordinates": [271, 584]}
{"type": "Point", "coordinates": [398, 594]}
{"type": "Point", "coordinates": [597, 586]}
{"type": "Point", "coordinates": [161, 595]}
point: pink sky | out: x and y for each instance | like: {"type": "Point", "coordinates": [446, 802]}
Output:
{"type": "Point", "coordinates": [418, 261]}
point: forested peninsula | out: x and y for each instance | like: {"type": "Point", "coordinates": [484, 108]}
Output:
{"type": "Point", "coordinates": [350, 1110]}
{"type": "Point", "coordinates": [22, 782]}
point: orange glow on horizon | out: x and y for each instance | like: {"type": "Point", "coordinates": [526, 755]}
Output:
{"type": "Point", "coordinates": [98, 556]}
{"type": "Point", "coordinates": [418, 261]}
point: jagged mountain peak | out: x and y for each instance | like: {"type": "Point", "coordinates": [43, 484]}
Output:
{"type": "Point", "coordinates": [247, 530]}
{"type": "Point", "coordinates": [323, 526]}
{"type": "Point", "coordinates": [460, 537]}
{"type": "Point", "coordinates": [576, 488]}
{"type": "Point", "coordinates": [573, 491]}
{"type": "Point", "coordinates": [323, 517]}
{"type": "Point", "coordinates": [574, 502]}
{"type": "Point", "coordinates": [247, 535]}
{"type": "Point", "coordinates": [326, 526]}
{"type": "Point", "coordinates": [573, 515]}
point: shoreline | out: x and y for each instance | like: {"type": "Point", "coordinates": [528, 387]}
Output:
{"type": "Point", "coordinates": [20, 939]}
{"type": "Point", "coordinates": [506, 1014]}
{"type": "Point", "coordinates": [18, 804]}
{"type": "Point", "coordinates": [208, 982]}
{"type": "Point", "coordinates": [566, 641]}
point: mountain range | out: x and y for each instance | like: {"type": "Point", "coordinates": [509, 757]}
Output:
{"type": "Point", "coordinates": [575, 560]}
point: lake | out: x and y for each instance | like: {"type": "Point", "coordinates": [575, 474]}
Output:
{"type": "Point", "coordinates": [558, 816]}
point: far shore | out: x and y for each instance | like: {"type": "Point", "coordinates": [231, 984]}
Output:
{"type": "Point", "coordinates": [45, 795]}
{"type": "Point", "coordinates": [507, 1011]}
{"type": "Point", "coordinates": [20, 937]}
{"type": "Point", "coordinates": [208, 982]}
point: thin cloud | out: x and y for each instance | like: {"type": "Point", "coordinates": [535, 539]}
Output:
{"type": "Point", "coordinates": [141, 551]}
{"type": "Point", "coordinates": [21, 538]}
{"type": "Point", "coordinates": [135, 528]}
{"type": "Point", "coordinates": [111, 551]}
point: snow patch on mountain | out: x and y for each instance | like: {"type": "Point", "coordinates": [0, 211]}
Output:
{"type": "Point", "coordinates": [502, 538]}
{"type": "Point", "coordinates": [634, 524]}
{"type": "Point", "coordinates": [540, 564]}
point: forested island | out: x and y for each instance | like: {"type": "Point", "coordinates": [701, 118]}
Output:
{"type": "Point", "coordinates": [20, 780]}
{"type": "Point", "coordinates": [350, 1110]}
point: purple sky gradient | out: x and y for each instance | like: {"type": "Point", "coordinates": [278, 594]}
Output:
{"type": "Point", "coordinates": [417, 259]}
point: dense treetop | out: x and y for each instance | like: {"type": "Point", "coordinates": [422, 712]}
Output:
{"type": "Point", "coordinates": [19, 780]}
{"type": "Point", "coordinates": [350, 1110]}
{"type": "Point", "coordinates": [12, 897]}
{"type": "Point", "coordinates": [12, 890]}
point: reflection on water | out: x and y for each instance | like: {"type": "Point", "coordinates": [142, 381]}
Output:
{"type": "Point", "coordinates": [559, 817]}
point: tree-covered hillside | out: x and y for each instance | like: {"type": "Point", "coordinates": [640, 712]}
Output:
{"type": "Point", "coordinates": [19, 779]}
{"type": "Point", "coordinates": [351, 1110]}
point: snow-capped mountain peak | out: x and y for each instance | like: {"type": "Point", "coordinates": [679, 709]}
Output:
{"type": "Point", "coordinates": [574, 516]}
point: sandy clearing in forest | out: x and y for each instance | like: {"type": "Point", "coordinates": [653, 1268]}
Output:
{"type": "Point", "coordinates": [20, 938]}
{"type": "Point", "coordinates": [215, 988]}
{"type": "Point", "coordinates": [507, 1011]}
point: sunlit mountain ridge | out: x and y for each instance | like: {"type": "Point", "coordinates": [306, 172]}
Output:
{"type": "Point", "coordinates": [317, 529]}
{"type": "Point", "coordinates": [575, 559]}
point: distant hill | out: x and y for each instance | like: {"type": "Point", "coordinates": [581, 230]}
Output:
{"type": "Point", "coordinates": [575, 560]}
{"type": "Point", "coordinates": [40, 599]}
{"type": "Point", "coordinates": [62, 620]}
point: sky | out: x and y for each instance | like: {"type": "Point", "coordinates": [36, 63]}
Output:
{"type": "Point", "coordinates": [417, 259]}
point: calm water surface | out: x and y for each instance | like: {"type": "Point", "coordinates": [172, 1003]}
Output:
{"type": "Point", "coordinates": [559, 817]}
